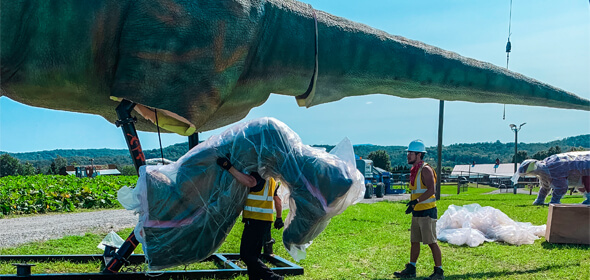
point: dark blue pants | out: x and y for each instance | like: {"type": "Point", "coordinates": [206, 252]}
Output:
{"type": "Point", "coordinates": [253, 239]}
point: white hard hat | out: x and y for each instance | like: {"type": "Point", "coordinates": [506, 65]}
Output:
{"type": "Point", "coordinates": [417, 146]}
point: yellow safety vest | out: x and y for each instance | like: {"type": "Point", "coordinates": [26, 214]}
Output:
{"type": "Point", "coordinates": [259, 205]}
{"type": "Point", "coordinates": [418, 188]}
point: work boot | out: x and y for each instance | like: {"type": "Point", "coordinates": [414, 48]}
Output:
{"type": "Point", "coordinates": [267, 249]}
{"type": "Point", "coordinates": [277, 277]}
{"type": "Point", "coordinates": [409, 272]}
{"type": "Point", "coordinates": [438, 274]}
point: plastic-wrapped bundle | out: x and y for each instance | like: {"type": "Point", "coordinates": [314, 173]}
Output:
{"type": "Point", "coordinates": [472, 225]}
{"type": "Point", "coordinates": [459, 236]}
{"type": "Point", "coordinates": [558, 172]}
{"type": "Point", "coordinates": [187, 208]}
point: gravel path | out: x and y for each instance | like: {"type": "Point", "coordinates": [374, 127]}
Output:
{"type": "Point", "coordinates": [16, 231]}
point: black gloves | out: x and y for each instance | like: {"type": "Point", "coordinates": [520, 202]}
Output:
{"type": "Point", "coordinates": [224, 162]}
{"type": "Point", "coordinates": [279, 223]}
{"type": "Point", "coordinates": [411, 205]}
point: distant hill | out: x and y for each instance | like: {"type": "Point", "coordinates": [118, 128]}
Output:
{"type": "Point", "coordinates": [100, 156]}
{"type": "Point", "coordinates": [486, 152]}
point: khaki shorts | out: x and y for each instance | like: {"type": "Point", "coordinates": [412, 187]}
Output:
{"type": "Point", "coordinates": [423, 230]}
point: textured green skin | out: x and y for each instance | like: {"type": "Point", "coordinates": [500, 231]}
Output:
{"type": "Point", "coordinates": [212, 61]}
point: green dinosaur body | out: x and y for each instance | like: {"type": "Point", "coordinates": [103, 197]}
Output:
{"type": "Point", "coordinates": [207, 63]}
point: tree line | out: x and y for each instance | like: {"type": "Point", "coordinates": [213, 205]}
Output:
{"type": "Point", "coordinates": [391, 158]}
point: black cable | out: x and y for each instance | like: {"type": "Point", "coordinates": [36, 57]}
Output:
{"type": "Point", "coordinates": [510, 20]}
{"type": "Point", "coordinates": [508, 49]}
{"type": "Point", "coordinates": [159, 138]}
{"type": "Point", "coordinates": [509, 45]}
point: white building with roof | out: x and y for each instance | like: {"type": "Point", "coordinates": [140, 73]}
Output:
{"type": "Point", "coordinates": [82, 171]}
{"type": "Point", "coordinates": [503, 170]}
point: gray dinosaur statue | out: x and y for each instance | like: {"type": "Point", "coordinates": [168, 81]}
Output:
{"type": "Point", "coordinates": [205, 64]}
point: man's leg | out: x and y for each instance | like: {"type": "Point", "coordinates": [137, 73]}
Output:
{"type": "Point", "coordinates": [410, 270]}
{"type": "Point", "coordinates": [436, 254]}
{"type": "Point", "coordinates": [438, 273]}
{"type": "Point", "coordinates": [415, 237]}
{"type": "Point", "coordinates": [429, 237]}
{"type": "Point", "coordinates": [268, 244]}
{"type": "Point", "coordinates": [414, 252]}
{"type": "Point", "coordinates": [250, 247]}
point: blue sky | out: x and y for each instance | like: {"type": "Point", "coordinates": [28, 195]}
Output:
{"type": "Point", "coordinates": [550, 43]}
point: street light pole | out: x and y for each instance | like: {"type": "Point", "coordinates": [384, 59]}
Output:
{"type": "Point", "coordinates": [515, 147]}
{"type": "Point", "coordinates": [515, 129]}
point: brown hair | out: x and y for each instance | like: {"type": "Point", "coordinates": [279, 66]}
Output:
{"type": "Point", "coordinates": [421, 155]}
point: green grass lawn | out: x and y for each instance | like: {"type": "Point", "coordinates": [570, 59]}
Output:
{"type": "Point", "coordinates": [371, 241]}
{"type": "Point", "coordinates": [472, 189]}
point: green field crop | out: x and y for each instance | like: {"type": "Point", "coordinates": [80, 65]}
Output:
{"type": "Point", "coordinates": [56, 193]}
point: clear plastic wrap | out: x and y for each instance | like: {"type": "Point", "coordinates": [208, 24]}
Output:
{"type": "Point", "coordinates": [469, 236]}
{"type": "Point", "coordinates": [472, 225]}
{"type": "Point", "coordinates": [187, 208]}
{"type": "Point", "coordinates": [559, 169]}
{"type": "Point", "coordinates": [557, 172]}
{"type": "Point", "coordinates": [112, 239]}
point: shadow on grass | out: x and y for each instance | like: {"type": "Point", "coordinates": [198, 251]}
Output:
{"type": "Point", "coordinates": [364, 220]}
{"type": "Point", "coordinates": [551, 246]}
{"type": "Point", "coordinates": [531, 205]}
{"type": "Point", "coordinates": [497, 242]}
{"type": "Point", "coordinates": [490, 275]}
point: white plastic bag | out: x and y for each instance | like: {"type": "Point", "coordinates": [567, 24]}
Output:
{"type": "Point", "coordinates": [469, 236]}
{"type": "Point", "coordinates": [111, 239]}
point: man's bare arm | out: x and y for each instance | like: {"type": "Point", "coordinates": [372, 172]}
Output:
{"type": "Point", "coordinates": [244, 179]}
{"type": "Point", "coordinates": [278, 206]}
{"type": "Point", "coordinates": [428, 179]}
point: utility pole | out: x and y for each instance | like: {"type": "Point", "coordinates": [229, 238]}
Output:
{"type": "Point", "coordinates": [441, 110]}
{"type": "Point", "coordinates": [515, 129]}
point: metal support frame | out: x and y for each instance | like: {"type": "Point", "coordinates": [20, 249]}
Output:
{"type": "Point", "coordinates": [127, 123]}
{"type": "Point", "coordinates": [226, 263]}
{"type": "Point", "coordinates": [23, 269]}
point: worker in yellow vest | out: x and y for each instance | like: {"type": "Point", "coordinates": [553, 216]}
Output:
{"type": "Point", "coordinates": [424, 214]}
{"type": "Point", "coordinates": [257, 217]}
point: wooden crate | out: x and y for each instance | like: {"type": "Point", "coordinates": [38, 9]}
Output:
{"type": "Point", "coordinates": [568, 223]}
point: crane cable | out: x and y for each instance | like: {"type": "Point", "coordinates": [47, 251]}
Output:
{"type": "Point", "coordinates": [159, 138]}
{"type": "Point", "coordinates": [509, 45]}
{"type": "Point", "coordinates": [508, 49]}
